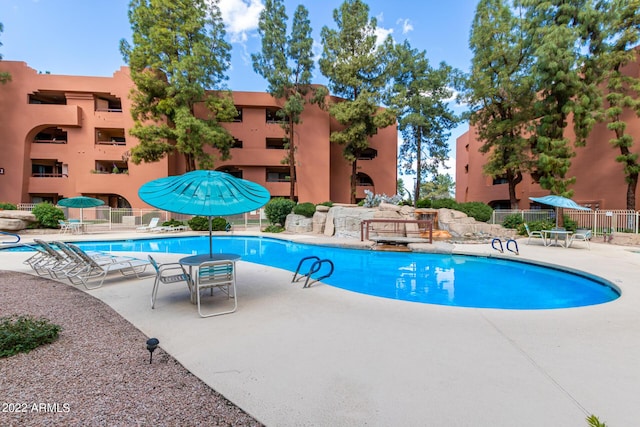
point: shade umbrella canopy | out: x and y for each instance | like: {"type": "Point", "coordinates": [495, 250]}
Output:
{"type": "Point", "coordinates": [559, 202]}
{"type": "Point", "coordinates": [204, 193]}
{"type": "Point", "coordinates": [81, 202]}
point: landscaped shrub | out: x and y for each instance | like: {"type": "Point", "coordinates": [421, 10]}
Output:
{"type": "Point", "coordinates": [512, 221]}
{"type": "Point", "coordinates": [277, 210]}
{"type": "Point", "coordinates": [445, 204]}
{"type": "Point", "coordinates": [21, 334]}
{"type": "Point", "coordinates": [48, 215]}
{"type": "Point", "coordinates": [8, 206]}
{"type": "Point", "coordinates": [305, 209]}
{"type": "Point", "coordinates": [372, 200]}
{"type": "Point", "coordinates": [274, 229]}
{"type": "Point", "coordinates": [201, 223]}
{"type": "Point", "coordinates": [328, 204]}
{"type": "Point", "coordinates": [478, 210]}
{"type": "Point", "coordinates": [545, 224]}
{"type": "Point", "coordinates": [424, 203]}
{"type": "Point", "coordinates": [174, 223]}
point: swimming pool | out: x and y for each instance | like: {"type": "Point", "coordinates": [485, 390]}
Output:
{"type": "Point", "coordinates": [454, 280]}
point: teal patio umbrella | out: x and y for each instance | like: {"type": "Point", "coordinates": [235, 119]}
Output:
{"type": "Point", "coordinates": [81, 202]}
{"type": "Point", "coordinates": [204, 193]}
{"type": "Point", "coordinates": [559, 202]}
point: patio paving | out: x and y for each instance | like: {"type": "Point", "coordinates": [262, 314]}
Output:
{"type": "Point", "coordinates": [327, 357]}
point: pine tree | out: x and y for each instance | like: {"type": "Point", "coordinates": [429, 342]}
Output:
{"type": "Point", "coordinates": [357, 71]}
{"type": "Point", "coordinates": [178, 54]}
{"type": "Point", "coordinates": [286, 62]}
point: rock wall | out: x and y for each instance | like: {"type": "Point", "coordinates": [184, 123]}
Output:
{"type": "Point", "coordinates": [11, 220]}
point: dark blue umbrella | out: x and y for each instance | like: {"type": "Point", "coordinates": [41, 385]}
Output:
{"type": "Point", "coordinates": [559, 202]}
{"type": "Point", "coordinates": [205, 193]}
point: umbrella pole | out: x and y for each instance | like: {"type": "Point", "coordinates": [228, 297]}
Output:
{"type": "Point", "coordinates": [210, 240]}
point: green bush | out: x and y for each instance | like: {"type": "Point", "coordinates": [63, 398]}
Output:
{"type": "Point", "coordinates": [277, 210]}
{"type": "Point", "coordinates": [201, 223]}
{"type": "Point", "coordinates": [424, 203]}
{"type": "Point", "coordinates": [445, 203]}
{"type": "Point", "coordinates": [570, 224]}
{"type": "Point", "coordinates": [305, 209]}
{"type": "Point", "coordinates": [21, 334]}
{"type": "Point", "coordinates": [478, 210]}
{"type": "Point", "coordinates": [328, 203]}
{"type": "Point", "coordinates": [48, 215]}
{"type": "Point", "coordinates": [8, 206]}
{"type": "Point", "coordinates": [174, 223]}
{"type": "Point", "coordinates": [273, 229]}
{"type": "Point", "coordinates": [512, 221]}
{"type": "Point", "coordinates": [545, 224]}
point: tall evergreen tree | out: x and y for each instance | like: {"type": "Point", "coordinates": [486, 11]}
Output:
{"type": "Point", "coordinates": [357, 72]}
{"type": "Point", "coordinates": [565, 38]}
{"type": "Point", "coordinates": [286, 62]}
{"type": "Point", "coordinates": [178, 53]}
{"type": "Point", "coordinates": [420, 96]}
{"type": "Point", "coordinates": [623, 87]}
{"type": "Point", "coordinates": [500, 90]}
{"type": "Point", "coordinates": [4, 76]}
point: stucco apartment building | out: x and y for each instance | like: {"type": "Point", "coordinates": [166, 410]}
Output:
{"type": "Point", "coordinates": [64, 136]}
{"type": "Point", "coordinates": [600, 180]}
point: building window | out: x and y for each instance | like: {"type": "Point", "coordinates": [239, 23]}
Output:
{"type": "Point", "coordinates": [275, 115]}
{"type": "Point", "coordinates": [111, 167]}
{"type": "Point", "coordinates": [278, 174]}
{"type": "Point", "coordinates": [108, 103]}
{"type": "Point", "coordinates": [46, 169]}
{"type": "Point", "coordinates": [109, 136]}
{"type": "Point", "coordinates": [362, 179]}
{"type": "Point", "coordinates": [236, 143]}
{"type": "Point", "coordinates": [48, 97]}
{"type": "Point", "coordinates": [275, 143]}
{"type": "Point", "coordinates": [238, 117]}
{"type": "Point", "coordinates": [368, 154]}
{"type": "Point", "coordinates": [51, 135]}
{"type": "Point", "coordinates": [231, 170]}
{"type": "Point", "coordinates": [500, 180]}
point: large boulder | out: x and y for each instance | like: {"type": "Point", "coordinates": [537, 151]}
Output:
{"type": "Point", "coordinates": [298, 224]}
{"type": "Point", "coordinates": [344, 221]}
{"type": "Point", "coordinates": [459, 225]}
{"type": "Point", "coordinates": [11, 220]}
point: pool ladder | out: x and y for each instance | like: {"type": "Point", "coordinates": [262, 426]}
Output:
{"type": "Point", "coordinates": [501, 248]}
{"type": "Point", "coordinates": [11, 234]}
{"type": "Point", "coordinates": [315, 267]}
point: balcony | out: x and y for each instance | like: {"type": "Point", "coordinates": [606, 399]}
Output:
{"type": "Point", "coordinates": [110, 136]}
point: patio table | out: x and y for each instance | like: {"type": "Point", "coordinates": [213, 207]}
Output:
{"type": "Point", "coordinates": [556, 237]}
{"type": "Point", "coordinates": [195, 260]}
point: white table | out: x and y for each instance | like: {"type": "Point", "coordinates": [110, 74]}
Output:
{"type": "Point", "coordinates": [196, 260]}
{"type": "Point", "coordinates": [556, 237]}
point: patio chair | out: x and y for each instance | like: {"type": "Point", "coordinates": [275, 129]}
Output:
{"type": "Point", "coordinates": [583, 235]}
{"type": "Point", "coordinates": [220, 275]}
{"type": "Point", "coordinates": [51, 260]}
{"type": "Point", "coordinates": [531, 234]}
{"type": "Point", "coordinates": [167, 273]}
{"type": "Point", "coordinates": [153, 223]}
{"type": "Point", "coordinates": [91, 269]}
{"type": "Point", "coordinates": [64, 226]}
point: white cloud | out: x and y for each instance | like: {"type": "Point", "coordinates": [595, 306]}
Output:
{"type": "Point", "coordinates": [381, 34]}
{"type": "Point", "coordinates": [406, 25]}
{"type": "Point", "coordinates": [240, 17]}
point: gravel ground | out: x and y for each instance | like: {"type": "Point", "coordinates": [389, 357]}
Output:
{"type": "Point", "coordinates": [97, 373]}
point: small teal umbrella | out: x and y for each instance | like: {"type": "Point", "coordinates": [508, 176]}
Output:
{"type": "Point", "coordinates": [205, 193]}
{"type": "Point", "coordinates": [559, 202]}
{"type": "Point", "coordinates": [81, 202]}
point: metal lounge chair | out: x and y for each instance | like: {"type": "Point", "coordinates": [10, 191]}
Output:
{"type": "Point", "coordinates": [153, 223]}
{"type": "Point", "coordinates": [92, 269]}
{"type": "Point", "coordinates": [51, 262]}
{"type": "Point", "coordinates": [219, 275]}
{"type": "Point", "coordinates": [167, 273]}
{"type": "Point", "coordinates": [531, 234]}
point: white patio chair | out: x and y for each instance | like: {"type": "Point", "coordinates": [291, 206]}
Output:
{"type": "Point", "coordinates": [167, 273]}
{"type": "Point", "coordinates": [220, 275]}
{"type": "Point", "coordinates": [583, 235]}
{"type": "Point", "coordinates": [64, 226]}
{"type": "Point", "coordinates": [531, 234]}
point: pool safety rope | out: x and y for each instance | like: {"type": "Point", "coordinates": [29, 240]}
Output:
{"type": "Point", "coordinates": [315, 267]}
{"type": "Point", "coordinates": [501, 248]}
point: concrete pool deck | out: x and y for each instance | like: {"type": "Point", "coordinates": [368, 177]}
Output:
{"type": "Point", "coordinates": [327, 357]}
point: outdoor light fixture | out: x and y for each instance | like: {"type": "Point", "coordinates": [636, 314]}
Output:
{"type": "Point", "coordinates": [152, 344]}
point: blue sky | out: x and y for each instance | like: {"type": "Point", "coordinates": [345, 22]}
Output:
{"type": "Point", "coordinates": [81, 37]}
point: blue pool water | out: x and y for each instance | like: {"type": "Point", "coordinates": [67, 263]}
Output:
{"type": "Point", "coordinates": [455, 280]}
